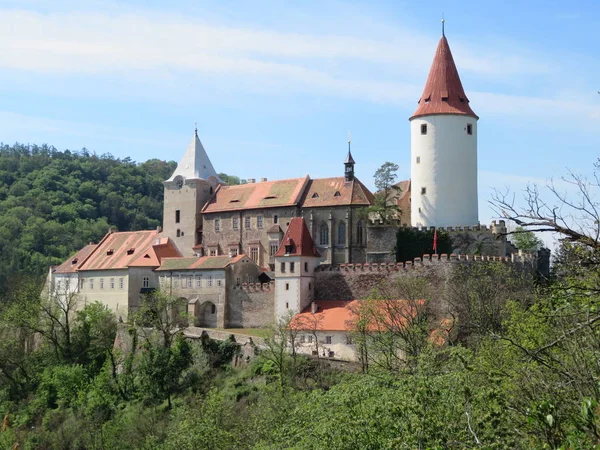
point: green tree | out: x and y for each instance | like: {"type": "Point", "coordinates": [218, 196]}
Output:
{"type": "Point", "coordinates": [525, 240]}
{"type": "Point", "coordinates": [386, 206]}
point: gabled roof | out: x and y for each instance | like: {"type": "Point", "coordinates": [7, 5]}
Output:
{"type": "Point", "coordinates": [72, 264]}
{"type": "Point", "coordinates": [443, 93]}
{"type": "Point", "coordinates": [195, 163]}
{"type": "Point", "coordinates": [265, 194]}
{"type": "Point", "coordinates": [205, 262]}
{"type": "Point", "coordinates": [336, 191]}
{"type": "Point", "coordinates": [130, 248]}
{"type": "Point", "coordinates": [403, 198]}
{"type": "Point", "coordinates": [298, 237]}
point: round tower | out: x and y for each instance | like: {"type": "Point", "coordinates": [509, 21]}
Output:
{"type": "Point", "coordinates": [443, 145]}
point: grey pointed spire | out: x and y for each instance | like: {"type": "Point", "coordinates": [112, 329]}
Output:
{"type": "Point", "coordinates": [195, 163]}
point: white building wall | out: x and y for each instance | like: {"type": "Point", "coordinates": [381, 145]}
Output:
{"type": "Point", "coordinates": [444, 162]}
{"type": "Point", "coordinates": [96, 287]}
{"type": "Point", "coordinates": [294, 290]}
{"type": "Point", "coordinates": [340, 345]}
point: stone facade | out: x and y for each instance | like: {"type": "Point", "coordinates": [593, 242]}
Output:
{"type": "Point", "coordinates": [251, 305]}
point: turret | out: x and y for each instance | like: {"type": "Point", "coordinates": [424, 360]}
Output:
{"type": "Point", "coordinates": [443, 132]}
{"type": "Point", "coordinates": [295, 263]}
{"type": "Point", "coordinates": [349, 164]}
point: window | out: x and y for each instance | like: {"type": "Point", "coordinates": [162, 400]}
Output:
{"type": "Point", "coordinates": [328, 339]}
{"type": "Point", "coordinates": [348, 339]}
{"type": "Point", "coordinates": [275, 218]}
{"type": "Point", "coordinates": [341, 237]}
{"type": "Point", "coordinates": [287, 286]}
{"type": "Point", "coordinates": [259, 221]}
{"type": "Point", "coordinates": [247, 223]}
{"type": "Point", "coordinates": [337, 193]}
{"type": "Point", "coordinates": [176, 281]}
{"type": "Point", "coordinates": [283, 267]}
{"type": "Point", "coordinates": [469, 128]}
{"type": "Point", "coordinates": [323, 234]}
{"type": "Point", "coordinates": [190, 282]}
{"type": "Point", "coordinates": [146, 282]}
{"type": "Point", "coordinates": [309, 286]}
{"type": "Point", "coordinates": [306, 267]}
{"type": "Point", "coordinates": [101, 283]}
{"type": "Point", "coordinates": [233, 251]}
{"type": "Point", "coordinates": [315, 195]}
{"type": "Point", "coordinates": [209, 281]}
{"type": "Point", "coordinates": [112, 283]}
{"type": "Point", "coordinates": [292, 267]}
{"type": "Point", "coordinates": [121, 283]}
{"type": "Point", "coordinates": [219, 282]}
{"type": "Point", "coordinates": [178, 232]}
{"type": "Point", "coordinates": [250, 279]}
{"type": "Point", "coordinates": [423, 190]}
{"type": "Point", "coordinates": [213, 309]}
{"type": "Point", "coordinates": [199, 281]}
{"type": "Point", "coordinates": [424, 128]}
{"type": "Point", "coordinates": [81, 283]}
{"type": "Point", "coordinates": [217, 224]}
{"type": "Point", "coordinates": [310, 338]}
{"type": "Point", "coordinates": [213, 252]}
{"type": "Point", "coordinates": [420, 212]}
{"type": "Point", "coordinates": [91, 283]}
{"type": "Point", "coordinates": [254, 254]}
{"type": "Point", "coordinates": [273, 246]}
{"type": "Point", "coordinates": [184, 284]}
{"type": "Point", "coordinates": [359, 232]}
{"type": "Point", "coordinates": [302, 338]}
{"type": "Point", "coordinates": [418, 160]}
{"type": "Point", "coordinates": [177, 216]}
{"type": "Point", "coordinates": [235, 223]}
{"type": "Point", "coordinates": [287, 305]}
{"type": "Point", "coordinates": [238, 281]}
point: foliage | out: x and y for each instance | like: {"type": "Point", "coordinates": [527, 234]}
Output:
{"type": "Point", "coordinates": [229, 179]}
{"type": "Point", "coordinates": [525, 240]}
{"type": "Point", "coordinates": [386, 206]}
{"type": "Point", "coordinates": [412, 243]}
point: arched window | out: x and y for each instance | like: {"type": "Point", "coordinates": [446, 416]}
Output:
{"type": "Point", "coordinates": [359, 232]}
{"type": "Point", "coordinates": [323, 234]}
{"type": "Point", "coordinates": [341, 233]}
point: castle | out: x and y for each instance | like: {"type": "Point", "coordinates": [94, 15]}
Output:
{"type": "Point", "coordinates": [240, 256]}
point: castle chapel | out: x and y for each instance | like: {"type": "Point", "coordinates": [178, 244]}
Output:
{"type": "Point", "coordinates": [216, 238]}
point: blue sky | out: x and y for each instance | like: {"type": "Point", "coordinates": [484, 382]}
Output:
{"type": "Point", "coordinates": [276, 86]}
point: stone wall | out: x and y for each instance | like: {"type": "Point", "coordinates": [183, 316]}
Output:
{"type": "Point", "coordinates": [251, 305]}
{"type": "Point", "coordinates": [381, 244]}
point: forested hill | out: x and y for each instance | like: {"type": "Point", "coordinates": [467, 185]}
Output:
{"type": "Point", "coordinates": [54, 202]}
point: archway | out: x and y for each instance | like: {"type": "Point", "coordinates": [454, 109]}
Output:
{"type": "Point", "coordinates": [207, 316]}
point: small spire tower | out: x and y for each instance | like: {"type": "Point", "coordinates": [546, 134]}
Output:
{"type": "Point", "coordinates": [443, 142]}
{"type": "Point", "coordinates": [349, 163]}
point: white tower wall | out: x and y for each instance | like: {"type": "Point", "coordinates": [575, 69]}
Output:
{"type": "Point", "coordinates": [444, 162]}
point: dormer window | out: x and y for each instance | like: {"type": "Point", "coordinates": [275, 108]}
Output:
{"type": "Point", "coordinates": [315, 195]}
{"type": "Point", "coordinates": [110, 251]}
{"type": "Point", "coordinates": [270, 197]}
{"type": "Point", "coordinates": [147, 256]}
{"type": "Point", "coordinates": [235, 200]}
{"type": "Point", "coordinates": [74, 261]}
{"type": "Point", "coordinates": [130, 251]}
{"type": "Point", "coordinates": [289, 249]}
{"type": "Point", "coordinates": [427, 99]}
{"type": "Point", "coordinates": [337, 194]}
{"type": "Point", "coordinates": [444, 99]}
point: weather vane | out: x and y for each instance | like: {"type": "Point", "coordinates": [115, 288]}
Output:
{"type": "Point", "coordinates": [349, 137]}
{"type": "Point", "coordinates": [443, 22]}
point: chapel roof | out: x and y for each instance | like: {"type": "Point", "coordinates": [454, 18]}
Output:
{"type": "Point", "coordinates": [298, 237]}
{"type": "Point", "coordinates": [265, 194]}
{"type": "Point", "coordinates": [336, 191]}
{"type": "Point", "coordinates": [120, 250]}
{"type": "Point", "coordinates": [72, 264]}
{"type": "Point", "coordinates": [443, 92]}
{"type": "Point", "coordinates": [195, 163]}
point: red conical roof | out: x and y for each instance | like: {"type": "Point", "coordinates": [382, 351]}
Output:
{"type": "Point", "coordinates": [298, 238]}
{"type": "Point", "coordinates": [443, 93]}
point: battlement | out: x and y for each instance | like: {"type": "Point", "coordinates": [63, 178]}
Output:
{"type": "Point", "coordinates": [494, 227]}
{"type": "Point", "coordinates": [256, 287]}
{"type": "Point", "coordinates": [427, 260]}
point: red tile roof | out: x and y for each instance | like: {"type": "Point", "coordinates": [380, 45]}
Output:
{"type": "Point", "coordinates": [74, 262]}
{"type": "Point", "coordinates": [443, 93]}
{"type": "Point", "coordinates": [131, 248]}
{"type": "Point", "coordinates": [336, 191]}
{"type": "Point", "coordinates": [204, 262]}
{"type": "Point", "coordinates": [403, 198]}
{"type": "Point", "coordinates": [334, 315]}
{"type": "Point", "coordinates": [298, 237]}
{"type": "Point", "coordinates": [266, 194]}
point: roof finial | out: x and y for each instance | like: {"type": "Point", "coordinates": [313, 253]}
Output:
{"type": "Point", "coordinates": [196, 128]}
{"type": "Point", "coordinates": [443, 22]}
{"type": "Point", "coordinates": [349, 140]}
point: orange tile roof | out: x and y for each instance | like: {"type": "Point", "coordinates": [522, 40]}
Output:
{"type": "Point", "coordinates": [74, 262]}
{"type": "Point", "coordinates": [298, 237]}
{"type": "Point", "coordinates": [266, 194]}
{"type": "Point", "coordinates": [443, 93]}
{"type": "Point", "coordinates": [123, 249]}
{"type": "Point", "coordinates": [336, 191]}
{"type": "Point", "coordinates": [403, 199]}
{"type": "Point", "coordinates": [338, 315]}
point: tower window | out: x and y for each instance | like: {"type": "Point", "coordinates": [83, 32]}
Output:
{"type": "Point", "coordinates": [292, 267]}
{"type": "Point", "coordinates": [275, 218]}
{"type": "Point", "coordinates": [418, 160]}
{"type": "Point", "coordinates": [306, 267]}
{"type": "Point", "coordinates": [287, 286]}
{"type": "Point", "coordinates": [217, 224]}
{"type": "Point", "coordinates": [424, 128]}
{"type": "Point", "coordinates": [213, 309]}
{"type": "Point", "coordinates": [469, 128]}
{"type": "Point", "coordinates": [423, 190]}
{"type": "Point", "coordinates": [177, 216]}
{"type": "Point", "coordinates": [282, 267]}
{"type": "Point", "coordinates": [178, 233]}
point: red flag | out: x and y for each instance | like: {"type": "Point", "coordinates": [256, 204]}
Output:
{"type": "Point", "coordinates": [435, 241]}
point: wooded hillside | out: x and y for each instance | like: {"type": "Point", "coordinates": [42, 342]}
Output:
{"type": "Point", "coordinates": [54, 202]}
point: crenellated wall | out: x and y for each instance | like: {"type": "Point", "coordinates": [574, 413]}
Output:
{"type": "Point", "coordinates": [251, 305]}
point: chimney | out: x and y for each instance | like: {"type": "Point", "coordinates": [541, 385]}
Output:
{"type": "Point", "coordinates": [251, 180]}
{"type": "Point", "coordinates": [159, 229]}
{"type": "Point", "coordinates": [111, 230]}
{"type": "Point", "coordinates": [263, 180]}
{"type": "Point", "coordinates": [313, 307]}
